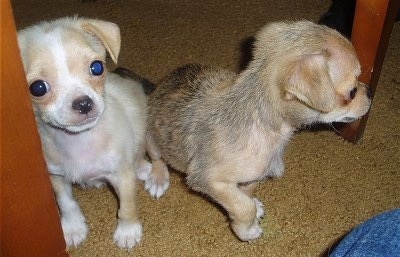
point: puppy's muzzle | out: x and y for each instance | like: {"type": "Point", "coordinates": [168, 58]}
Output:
{"type": "Point", "coordinates": [83, 104]}
{"type": "Point", "coordinates": [369, 92]}
{"type": "Point", "coordinates": [368, 89]}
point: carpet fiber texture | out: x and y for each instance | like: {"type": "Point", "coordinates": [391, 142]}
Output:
{"type": "Point", "coordinates": [329, 185]}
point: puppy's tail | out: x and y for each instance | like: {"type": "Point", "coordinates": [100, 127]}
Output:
{"type": "Point", "coordinates": [147, 85]}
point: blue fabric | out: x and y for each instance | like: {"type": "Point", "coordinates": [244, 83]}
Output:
{"type": "Point", "coordinates": [376, 237]}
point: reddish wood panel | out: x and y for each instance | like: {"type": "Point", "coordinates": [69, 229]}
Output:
{"type": "Point", "coordinates": [372, 26]}
{"type": "Point", "coordinates": [30, 224]}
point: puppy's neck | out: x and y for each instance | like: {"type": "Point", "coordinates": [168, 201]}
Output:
{"type": "Point", "coordinates": [298, 116]}
{"type": "Point", "coordinates": [258, 102]}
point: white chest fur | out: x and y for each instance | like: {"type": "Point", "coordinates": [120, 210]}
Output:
{"type": "Point", "coordinates": [83, 157]}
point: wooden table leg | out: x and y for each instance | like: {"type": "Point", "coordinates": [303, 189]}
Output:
{"type": "Point", "coordinates": [372, 26]}
{"type": "Point", "coordinates": [30, 224]}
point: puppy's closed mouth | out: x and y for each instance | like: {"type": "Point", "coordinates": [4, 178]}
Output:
{"type": "Point", "coordinates": [77, 128]}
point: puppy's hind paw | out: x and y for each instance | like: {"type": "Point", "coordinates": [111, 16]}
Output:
{"type": "Point", "coordinates": [155, 188]}
{"type": "Point", "coordinates": [75, 232]}
{"type": "Point", "coordinates": [144, 171]}
{"type": "Point", "coordinates": [260, 208]}
{"type": "Point", "coordinates": [128, 235]}
{"type": "Point", "coordinates": [247, 233]}
{"type": "Point", "coordinates": [156, 181]}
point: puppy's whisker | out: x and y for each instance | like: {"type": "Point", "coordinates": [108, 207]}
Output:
{"type": "Point", "coordinates": [337, 131]}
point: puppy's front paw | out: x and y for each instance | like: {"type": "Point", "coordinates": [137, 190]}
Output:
{"type": "Point", "coordinates": [260, 208]}
{"type": "Point", "coordinates": [156, 180]}
{"type": "Point", "coordinates": [144, 171]}
{"type": "Point", "coordinates": [246, 233]}
{"type": "Point", "coordinates": [127, 235]}
{"type": "Point", "coordinates": [75, 230]}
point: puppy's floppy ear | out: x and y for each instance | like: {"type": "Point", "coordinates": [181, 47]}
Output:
{"type": "Point", "coordinates": [107, 32]}
{"type": "Point", "coordinates": [309, 81]}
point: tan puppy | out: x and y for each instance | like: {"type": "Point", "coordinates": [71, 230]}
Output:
{"type": "Point", "coordinates": [227, 132]}
{"type": "Point", "coordinates": [92, 123]}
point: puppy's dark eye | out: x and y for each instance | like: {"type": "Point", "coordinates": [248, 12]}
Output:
{"type": "Point", "coordinates": [353, 93]}
{"type": "Point", "coordinates": [39, 88]}
{"type": "Point", "coordinates": [96, 68]}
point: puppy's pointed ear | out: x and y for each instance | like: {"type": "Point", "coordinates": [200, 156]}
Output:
{"type": "Point", "coordinates": [309, 81]}
{"type": "Point", "coordinates": [107, 32]}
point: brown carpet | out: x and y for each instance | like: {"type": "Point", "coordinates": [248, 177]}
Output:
{"type": "Point", "coordinates": [329, 185]}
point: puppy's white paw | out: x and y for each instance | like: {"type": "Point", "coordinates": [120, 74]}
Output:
{"type": "Point", "coordinates": [155, 187]}
{"type": "Point", "coordinates": [75, 230]}
{"type": "Point", "coordinates": [260, 208]}
{"type": "Point", "coordinates": [156, 178]}
{"type": "Point", "coordinates": [127, 235]}
{"type": "Point", "coordinates": [248, 233]}
{"type": "Point", "coordinates": [144, 171]}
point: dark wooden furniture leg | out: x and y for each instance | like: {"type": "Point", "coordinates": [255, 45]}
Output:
{"type": "Point", "coordinates": [372, 26]}
{"type": "Point", "coordinates": [30, 224]}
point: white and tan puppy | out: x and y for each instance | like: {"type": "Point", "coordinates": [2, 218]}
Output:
{"type": "Point", "coordinates": [92, 122]}
{"type": "Point", "coordinates": [227, 132]}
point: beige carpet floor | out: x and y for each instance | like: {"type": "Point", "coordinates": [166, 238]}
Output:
{"type": "Point", "coordinates": [329, 185]}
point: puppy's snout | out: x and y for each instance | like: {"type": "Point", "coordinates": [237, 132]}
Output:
{"type": "Point", "coordinates": [369, 92]}
{"type": "Point", "coordinates": [83, 104]}
{"type": "Point", "coordinates": [367, 89]}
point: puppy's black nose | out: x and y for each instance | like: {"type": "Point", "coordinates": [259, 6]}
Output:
{"type": "Point", "coordinates": [83, 104]}
{"type": "Point", "coordinates": [369, 93]}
